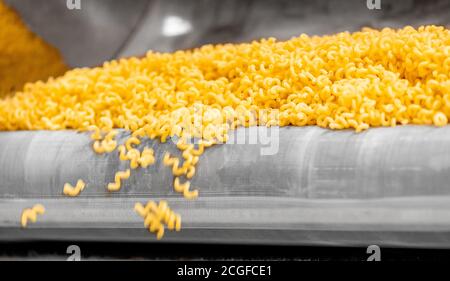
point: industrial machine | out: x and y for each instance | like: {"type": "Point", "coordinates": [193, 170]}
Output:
{"type": "Point", "coordinates": [296, 186]}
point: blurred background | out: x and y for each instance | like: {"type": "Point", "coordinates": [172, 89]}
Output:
{"type": "Point", "coordinates": [88, 32]}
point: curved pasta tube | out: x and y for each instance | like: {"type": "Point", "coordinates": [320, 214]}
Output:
{"type": "Point", "coordinates": [147, 158]}
{"type": "Point", "coordinates": [109, 145]}
{"type": "Point", "coordinates": [140, 209]}
{"type": "Point", "coordinates": [74, 191]}
{"type": "Point", "coordinates": [98, 147]}
{"type": "Point", "coordinates": [107, 122]}
{"type": "Point", "coordinates": [156, 216]}
{"type": "Point", "coordinates": [122, 153]}
{"type": "Point", "coordinates": [30, 214]}
{"type": "Point", "coordinates": [184, 188]}
{"type": "Point", "coordinates": [133, 155]}
{"type": "Point", "coordinates": [199, 151]}
{"type": "Point", "coordinates": [97, 134]}
{"type": "Point", "coordinates": [174, 162]}
{"type": "Point", "coordinates": [132, 141]}
{"type": "Point", "coordinates": [139, 133]}
{"type": "Point", "coordinates": [182, 145]}
{"type": "Point", "coordinates": [120, 175]}
{"type": "Point", "coordinates": [195, 160]}
{"type": "Point", "coordinates": [111, 135]}
{"type": "Point", "coordinates": [190, 172]}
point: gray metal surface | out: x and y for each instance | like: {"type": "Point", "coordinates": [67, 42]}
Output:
{"type": "Point", "coordinates": [385, 186]}
{"type": "Point", "coordinates": [106, 29]}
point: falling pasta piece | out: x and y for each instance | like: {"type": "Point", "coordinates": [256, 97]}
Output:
{"type": "Point", "coordinates": [98, 147]}
{"type": "Point", "coordinates": [24, 56]}
{"type": "Point", "coordinates": [184, 189]}
{"type": "Point", "coordinates": [132, 141]}
{"type": "Point", "coordinates": [133, 155]}
{"type": "Point", "coordinates": [359, 80]}
{"type": "Point", "coordinates": [120, 175]}
{"type": "Point", "coordinates": [147, 158]}
{"type": "Point", "coordinates": [190, 172]}
{"type": "Point", "coordinates": [74, 191]}
{"type": "Point", "coordinates": [30, 214]}
{"type": "Point", "coordinates": [156, 216]}
{"type": "Point", "coordinates": [96, 135]}
{"type": "Point", "coordinates": [175, 163]}
{"type": "Point", "coordinates": [122, 153]}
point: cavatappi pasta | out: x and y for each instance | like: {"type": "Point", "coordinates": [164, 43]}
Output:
{"type": "Point", "coordinates": [119, 176]}
{"type": "Point", "coordinates": [30, 214]}
{"type": "Point", "coordinates": [156, 216]}
{"type": "Point", "coordinates": [72, 191]}
{"type": "Point", "coordinates": [355, 80]}
{"type": "Point", "coordinates": [24, 57]}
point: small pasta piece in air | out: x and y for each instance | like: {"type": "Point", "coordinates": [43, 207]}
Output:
{"type": "Point", "coordinates": [120, 175]}
{"type": "Point", "coordinates": [30, 214]}
{"type": "Point", "coordinates": [74, 191]}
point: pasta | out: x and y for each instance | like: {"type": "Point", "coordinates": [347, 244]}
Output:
{"type": "Point", "coordinates": [134, 155]}
{"type": "Point", "coordinates": [184, 188]}
{"type": "Point", "coordinates": [131, 141]}
{"type": "Point", "coordinates": [120, 175]}
{"type": "Point", "coordinates": [122, 153]}
{"type": "Point", "coordinates": [30, 214]}
{"type": "Point", "coordinates": [369, 78]}
{"type": "Point", "coordinates": [174, 162]}
{"type": "Point", "coordinates": [74, 191]}
{"type": "Point", "coordinates": [156, 216]}
{"type": "Point", "coordinates": [147, 158]}
{"type": "Point", "coordinates": [108, 144]}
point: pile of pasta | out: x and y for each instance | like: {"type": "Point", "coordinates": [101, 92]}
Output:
{"type": "Point", "coordinates": [24, 57]}
{"type": "Point", "coordinates": [348, 80]}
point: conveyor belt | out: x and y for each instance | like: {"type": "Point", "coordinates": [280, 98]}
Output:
{"type": "Point", "coordinates": [385, 186]}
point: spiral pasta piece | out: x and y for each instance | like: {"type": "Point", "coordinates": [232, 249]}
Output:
{"type": "Point", "coordinates": [122, 153]}
{"type": "Point", "coordinates": [134, 155]}
{"type": "Point", "coordinates": [147, 158]}
{"type": "Point", "coordinates": [185, 189]}
{"type": "Point", "coordinates": [175, 163]}
{"type": "Point", "coordinates": [30, 214]}
{"type": "Point", "coordinates": [119, 176]}
{"type": "Point", "coordinates": [132, 141]}
{"type": "Point", "coordinates": [156, 216]}
{"type": "Point", "coordinates": [74, 191]}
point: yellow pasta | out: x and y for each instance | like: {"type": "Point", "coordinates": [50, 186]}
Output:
{"type": "Point", "coordinates": [98, 147]}
{"type": "Point", "coordinates": [74, 191]}
{"type": "Point", "coordinates": [156, 216]}
{"type": "Point", "coordinates": [174, 162]}
{"type": "Point", "coordinates": [122, 153]}
{"type": "Point", "coordinates": [190, 172]}
{"type": "Point", "coordinates": [439, 119]}
{"type": "Point", "coordinates": [96, 135]}
{"type": "Point", "coordinates": [130, 141]}
{"type": "Point", "coordinates": [184, 188]}
{"type": "Point", "coordinates": [359, 80]}
{"type": "Point", "coordinates": [30, 214]}
{"type": "Point", "coordinates": [134, 155]}
{"type": "Point", "coordinates": [24, 56]}
{"type": "Point", "coordinates": [147, 158]}
{"type": "Point", "coordinates": [120, 175]}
